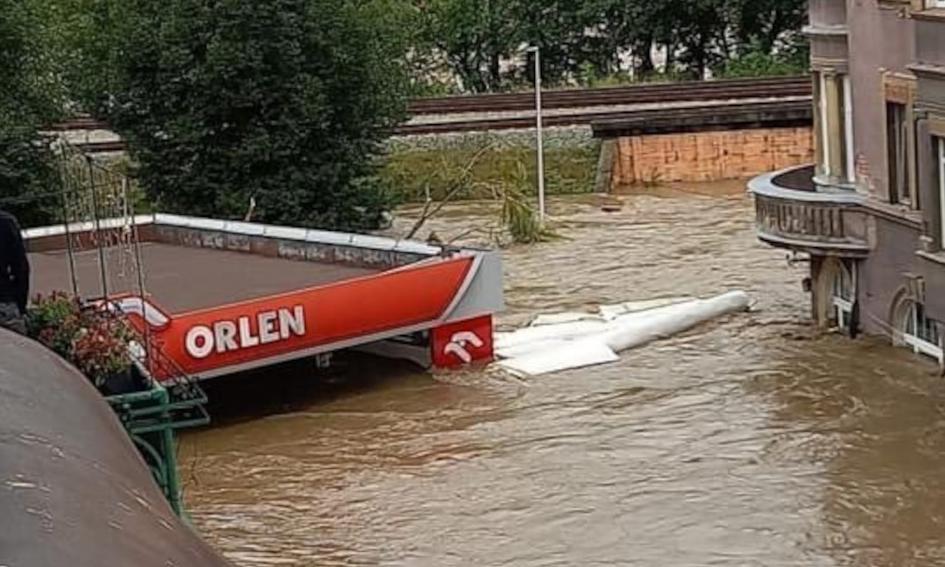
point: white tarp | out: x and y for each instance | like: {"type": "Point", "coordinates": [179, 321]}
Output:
{"type": "Point", "coordinates": [578, 342]}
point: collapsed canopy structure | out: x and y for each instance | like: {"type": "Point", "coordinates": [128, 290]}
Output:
{"type": "Point", "coordinates": [219, 297]}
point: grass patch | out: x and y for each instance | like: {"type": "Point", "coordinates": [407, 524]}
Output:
{"type": "Point", "coordinates": [416, 174]}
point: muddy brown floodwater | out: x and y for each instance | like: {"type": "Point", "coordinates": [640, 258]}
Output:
{"type": "Point", "coordinates": [755, 440]}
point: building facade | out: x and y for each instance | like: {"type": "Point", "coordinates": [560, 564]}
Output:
{"type": "Point", "coordinates": [870, 213]}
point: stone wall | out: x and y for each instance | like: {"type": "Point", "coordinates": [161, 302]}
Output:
{"type": "Point", "coordinates": [709, 156]}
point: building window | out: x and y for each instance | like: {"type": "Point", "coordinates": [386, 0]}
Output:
{"type": "Point", "coordinates": [921, 333]}
{"type": "Point", "coordinates": [934, 4]}
{"type": "Point", "coordinates": [834, 123]}
{"type": "Point", "coordinates": [939, 145]}
{"type": "Point", "coordinates": [897, 144]}
{"type": "Point", "coordinates": [820, 132]}
{"type": "Point", "coordinates": [849, 153]}
{"type": "Point", "coordinates": [843, 294]}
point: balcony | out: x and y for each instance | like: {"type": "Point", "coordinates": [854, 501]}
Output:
{"type": "Point", "coordinates": [792, 212]}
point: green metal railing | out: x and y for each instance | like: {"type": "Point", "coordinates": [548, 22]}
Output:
{"type": "Point", "coordinates": [152, 416]}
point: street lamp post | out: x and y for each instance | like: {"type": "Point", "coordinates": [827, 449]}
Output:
{"type": "Point", "coordinates": [538, 130]}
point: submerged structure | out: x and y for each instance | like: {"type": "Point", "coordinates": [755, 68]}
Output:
{"type": "Point", "coordinates": [220, 297]}
{"type": "Point", "coordinates": [870, 213]}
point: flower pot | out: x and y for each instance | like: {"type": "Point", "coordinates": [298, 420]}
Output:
{"type": "Point", "coordinates": [123, 382]}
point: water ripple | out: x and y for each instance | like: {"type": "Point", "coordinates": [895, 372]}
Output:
{"type": "Point", "coordinates": [755, 440]}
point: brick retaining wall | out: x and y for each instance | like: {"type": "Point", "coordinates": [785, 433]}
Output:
{"type": "Point", "coordinates": [709, 156]}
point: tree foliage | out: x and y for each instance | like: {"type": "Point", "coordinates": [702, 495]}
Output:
{"type": "Point", "coordinates": [230, 106]}
{"type": "Point", "coordinates": [279, 108]}
{"type": "Point", "coordinates": [474, 36]}
{"type": "Point", "coordinates": [483, 41]}
{"type": "Point", "coordinates": [84, 39]}
{"type": "Point", "coordinates": [28, 100]}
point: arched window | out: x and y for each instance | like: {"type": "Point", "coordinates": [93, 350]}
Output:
{"type": "Point", "coordinates": [920, 332]}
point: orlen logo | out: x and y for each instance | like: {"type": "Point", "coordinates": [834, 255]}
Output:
{"type": "Point", "coordinates": [225, 336]}
{"type": "Point", "coordinates": [459, 342]}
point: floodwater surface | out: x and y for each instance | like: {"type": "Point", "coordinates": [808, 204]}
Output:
{"type": "Point", "coordinates": [754, 440]}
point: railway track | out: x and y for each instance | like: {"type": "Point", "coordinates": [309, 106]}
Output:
{"type": "Point", "coordinates": [631, 94]}
{"type": "Point", "coordinates": [585, 118]}
{"type": "Point", "coordinates": [586, 106]}
{"type": "Point", "coordinates": [747, 115]}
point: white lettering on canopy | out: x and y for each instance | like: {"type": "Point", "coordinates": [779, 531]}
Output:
{"type": "Point", "coordinates": [226, 336]}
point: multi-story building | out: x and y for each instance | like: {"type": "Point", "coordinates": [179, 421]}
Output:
{"type": "Point", "coordinates": [870, 214]}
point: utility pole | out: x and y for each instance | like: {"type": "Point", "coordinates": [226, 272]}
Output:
{"type": "Point", "coordinates": [539, 134]}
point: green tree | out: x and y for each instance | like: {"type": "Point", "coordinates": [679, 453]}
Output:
{"type": "Point", "coordinates": [83, 38]}
{"type": "Point", "coordinates": [637, 26]}
{"type": "Point", "coordinates": [28, 100]}
{"type": "Point", "coordinates": [767, 25]}
{"type": "Point", "coordinates": [483, 40]}
{"type": "Point", "coordinates": [701, 34]}
{"type": "Point", "coordinates": [792, 60]}
{"type": "Point", "coordinates": [474, 36]}
{"type": "Point", "coordinates": [768, 39]}
{"type": "Point", "coordinates": [564, 31]}
{"type": "Point", "coordinates": [282, 104]}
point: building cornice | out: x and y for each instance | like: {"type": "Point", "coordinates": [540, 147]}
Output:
{"type": "Point", "coordinates": [830, 64]}
{"type": "Point", "coordinates": [902, 6]}
{"type": "Point", "coordinates": [934, 111]}
{"type": "Point", "coordinates": [928, 70]}
{"type": "Point", "coordinates": [826, 30]}
{"type": "Point", "coordinates": [930, 15]}
{"type": "Point", "coordinates": [896, 213]}
{"type": "Point", "coordinates": [937, 257]}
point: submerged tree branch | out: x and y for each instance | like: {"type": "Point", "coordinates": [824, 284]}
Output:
{"type": "Point", "coordinates": [456, 185]}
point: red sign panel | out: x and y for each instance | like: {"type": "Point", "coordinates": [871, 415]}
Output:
{"type": "Point", "coordinates": [268, 329]}
{"type": "Point", "coordinates": [463, 342]}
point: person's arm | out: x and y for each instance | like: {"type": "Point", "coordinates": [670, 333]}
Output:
{"type": "Point", "coordinates": [20, 267]}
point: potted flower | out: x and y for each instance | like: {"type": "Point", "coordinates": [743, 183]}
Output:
{"type": "Point", "coordinates": [91, 339]}
{"type": "Point", "coordinates": [55, 321]}
{"type": "Point", "coordinates": [101, 354]}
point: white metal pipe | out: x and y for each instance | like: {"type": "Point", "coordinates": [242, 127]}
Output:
{"type": "Point", "coordinates": [539, 134]}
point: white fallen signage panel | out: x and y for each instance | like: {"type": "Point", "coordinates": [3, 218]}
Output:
{"type": "Point", "coordinates": [554, 343]}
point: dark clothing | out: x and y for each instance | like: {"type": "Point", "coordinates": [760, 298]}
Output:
{"type": "Point", "coordinates": [14, 265]}
{"type": "Point", "coordinates": [11, 318]}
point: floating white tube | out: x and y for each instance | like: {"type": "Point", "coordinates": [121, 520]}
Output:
{"type": "Point", "coordinates": [635, 330]}
{"type": "Point", "coordinates": [611, 312]}
{"type": "Point", "coordinates": [550, 348]}
{"type": "Point", "coordinates": [605, 312]}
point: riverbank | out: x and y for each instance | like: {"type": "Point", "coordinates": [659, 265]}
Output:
{"type": "Point", "coordinates": [421, 167]}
